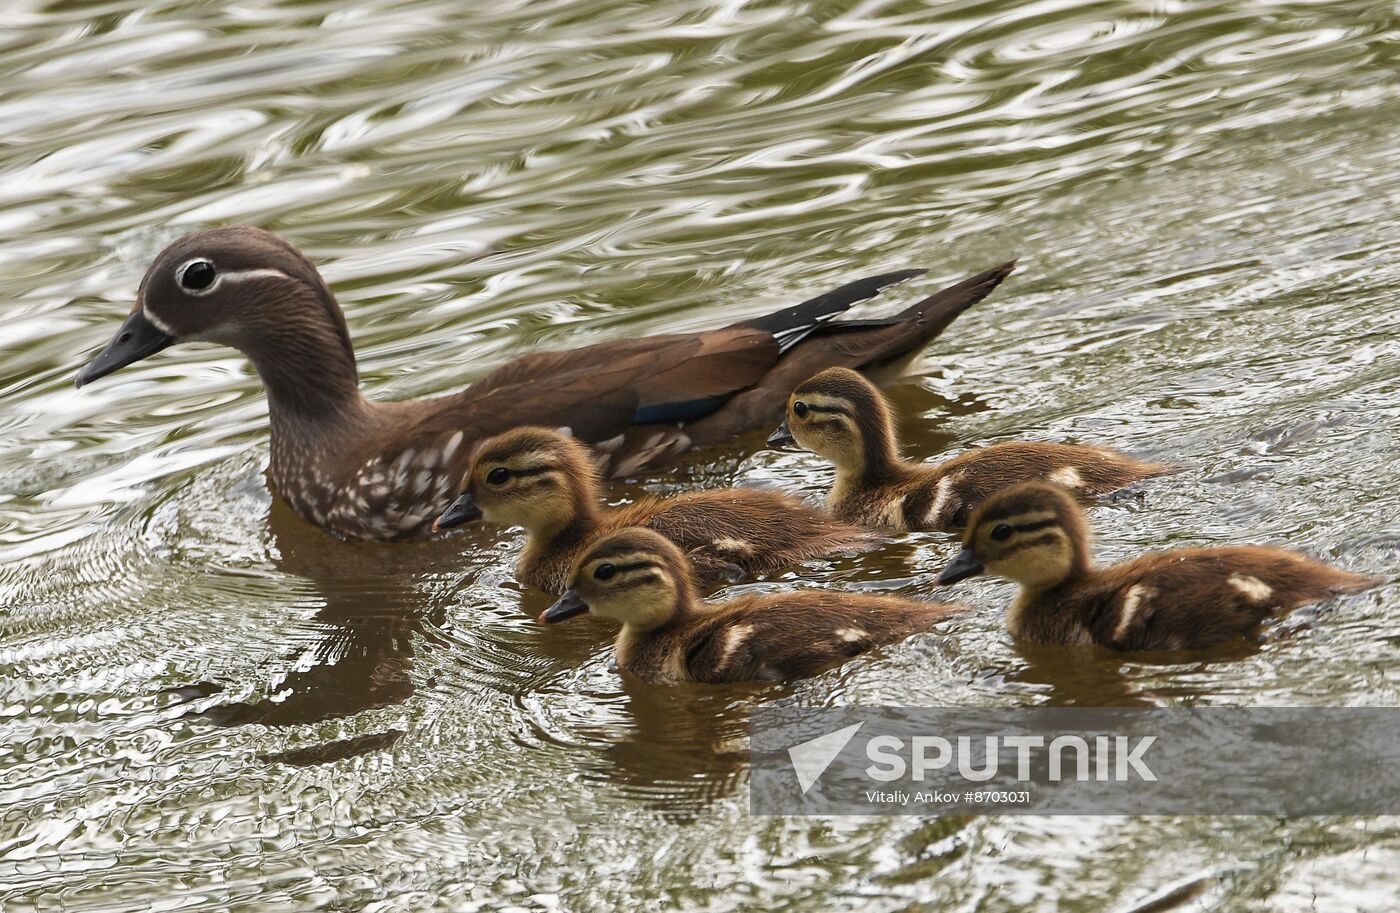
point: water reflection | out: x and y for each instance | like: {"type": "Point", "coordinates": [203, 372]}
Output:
{"type": "Point", "coordinates": [679, 749]}
{"type": "Point", "coordinates": [362, 656]}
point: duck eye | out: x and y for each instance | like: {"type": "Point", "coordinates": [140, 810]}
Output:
{"type": "Point", "coordinates": [800, 409]}
{"type": "Point", "coordinates": [604, 572]}
{"type": "Point", "coordinates": [498, 476]}
{"type": "Point", "coordinates": [196, 275]}
{"type": "Point", "coordinates": [1001, 532]}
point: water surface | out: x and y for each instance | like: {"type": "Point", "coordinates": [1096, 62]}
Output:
{"type": "Point", "coordinates": [209, 705]}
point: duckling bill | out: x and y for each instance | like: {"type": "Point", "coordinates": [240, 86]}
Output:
{"type": "Point", "coordinates": [1182, 599]}
{"type": "Point", "coordinates": [365, 469]}
{"type": "Point", "coordinates": [669, 636]}
{"type": "Point", "coordinates": [840, 415]}
{"type": "Point", "coordinates": [539, 479]}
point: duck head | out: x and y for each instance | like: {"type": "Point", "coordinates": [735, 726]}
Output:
{"type": "Point", "coordinates": [841, 416]}
{"type": "Point", "coordinates": [241, 287]}
{"type": "Point", "coordinates": [1032, 533]}
{"type": "Point", "coordinates": [535, 478]}
{"type": "Point", "coordinates": [634, 576]}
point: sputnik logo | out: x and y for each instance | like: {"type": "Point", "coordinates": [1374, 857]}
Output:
{"type": "Point", "coordinates": [811, 759]}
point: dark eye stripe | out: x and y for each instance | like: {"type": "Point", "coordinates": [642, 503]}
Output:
{"type": "Point", "coordinates": [635, 566]}
{"type": "Point", "coordinates": [837, 410]}
{"type": "Point", "coordinates": [1032, 527]}
{"type": "Point", "coordinates": [526, 473]}
{"type": "Point", "coordinates": [1030, 543]}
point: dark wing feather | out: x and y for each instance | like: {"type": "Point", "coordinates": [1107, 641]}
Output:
{"type": "Point", "coordinates": [861, 345]}
{"type": "Point", "coordinates": [791, 325]}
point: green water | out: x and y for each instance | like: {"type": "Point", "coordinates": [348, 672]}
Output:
{"type": "Point", "coordinates": [208, 705]}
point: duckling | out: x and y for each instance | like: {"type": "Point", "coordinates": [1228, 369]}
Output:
{"type": "Point", "coordinates": [640, 578]}
{"type": "Point", "coordinates": [840, 415]}
{"type": "Point", "coordinates": [1182, 599]}
{"type": "Point", "coordinates": [546, 482]}
{"type": "Point", "coordinates": [368, 469]}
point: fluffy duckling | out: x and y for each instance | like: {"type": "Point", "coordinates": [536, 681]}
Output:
{"type": "Point", "coordinates": [1182, 599]}
{"type": "Point", "coordinates": [840, 415]}
{"type": "Point", "coordinates": [640, 578]}
{"type": "Point", "coordinates": [541, 480]}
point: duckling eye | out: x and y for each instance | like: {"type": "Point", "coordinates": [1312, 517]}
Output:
{"type": "Point", "coordinates": [1001, 532]}
{"type": "Point", "coordinates": [498, 476]}
{"type": "Point", "coordinates": [800, 409]}
{"type": "Point", "coordinates": [604, 572]}
{"type": "Point", "coordinates": [196, 275]}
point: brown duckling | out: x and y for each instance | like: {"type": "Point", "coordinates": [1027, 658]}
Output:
{"type": "Point", "coordinates": [541, 480]}
{"type": "Point", "coordinates": [368, 469]}
{"type": "Point", "coordinates": [1182, 599]}
{"type": "Point", "coordinates": [840, 415]}
{"type": "Point", "coordinates": [669, 636]}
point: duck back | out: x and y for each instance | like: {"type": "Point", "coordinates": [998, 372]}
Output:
{"type": "Point", "coordinates": [1183, 599]}
{"type": "Point", "coordinates": [777, 637]}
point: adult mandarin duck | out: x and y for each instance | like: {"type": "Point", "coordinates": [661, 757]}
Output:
{"type": "Point", "coordinates": [364, 469]}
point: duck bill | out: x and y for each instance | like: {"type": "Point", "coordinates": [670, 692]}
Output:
{"type": "Point", "coordinates": [963, 566]}
{"type": "Point", "coordinates": [782, 437]}
{"type": "Point", "coordinates": [461, 511]}
{"type": "Point", "coordinates": [136, 339]}
{"type": "Point", "coordinates": [569, 605]}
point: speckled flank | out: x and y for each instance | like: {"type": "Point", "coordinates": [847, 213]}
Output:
{"type": "Point", "coordinates": [385, 498]}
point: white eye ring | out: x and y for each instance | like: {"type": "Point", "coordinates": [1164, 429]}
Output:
{"type": "Point", "coordinates": [183, 273]}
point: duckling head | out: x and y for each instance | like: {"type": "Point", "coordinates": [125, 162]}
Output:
{"type": "Point", "coordinates": [634, 576]}
{"type": "Point", "coordinates": [840, 415]}
{"type": "Point", "coordinates": [531, 477]}
{"type": "Point", "coordinates": [1031, 533]}
{"type": "Point", "coordinates": [241, 287]}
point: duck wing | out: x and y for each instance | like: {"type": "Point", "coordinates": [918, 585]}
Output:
{"type": "Point", "coordinates": [674, 377]}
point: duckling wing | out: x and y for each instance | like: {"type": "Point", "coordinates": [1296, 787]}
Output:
{"type": "Point", "coordinates": [777, 638]}
{"type": "Point", "coordinates": [750, 649]}
{"type": "Point", "coordinates": [755, 531]}
{"type": "Point", "coordinates": [1197, 598]}
{"type": "Point", "coordinates": [956, 486]}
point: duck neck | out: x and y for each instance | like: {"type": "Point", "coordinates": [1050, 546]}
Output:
{"type": "Point", "coordinates": [880, 449]}
{"type": "Point", "coordinates": [305, 360]}
{"type": "Point", "coordinates": [664, 617]}
{"type": "Point", "coordinates": [874, 463]}
{"type": "Point", "coordinates": [571, 520]}
{"type": "Point", "coordinates": [1051, 576]}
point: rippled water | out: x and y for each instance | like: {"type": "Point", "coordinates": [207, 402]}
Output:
{"type": "Point", "coordinates": [206, 704]}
